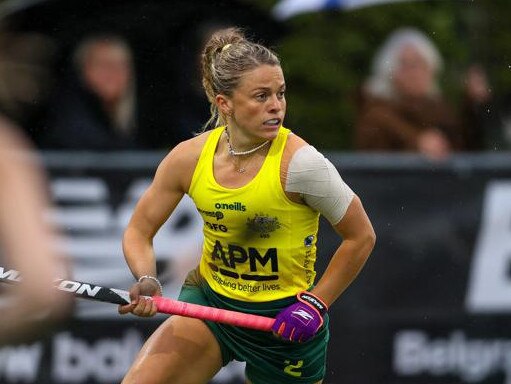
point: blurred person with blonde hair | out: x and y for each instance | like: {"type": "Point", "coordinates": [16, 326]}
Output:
{"type": "Point", "coordinates": [97, 110]}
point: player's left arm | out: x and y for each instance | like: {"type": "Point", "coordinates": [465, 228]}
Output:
{"type": "Point", "coordinates": [358, 241]}
{"type": "Point", "coordinates": [309, 178]}
{"type": "Point", "coordinates": [312, 179]}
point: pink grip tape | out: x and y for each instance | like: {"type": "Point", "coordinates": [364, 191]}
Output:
{"type": "Point", "coordinates": [245, 320]}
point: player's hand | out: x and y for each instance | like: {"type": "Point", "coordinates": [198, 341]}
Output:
{"type": "Point", "coordinates": [140, 305]}
{"type": "Point", "coordinates": [301, 320]}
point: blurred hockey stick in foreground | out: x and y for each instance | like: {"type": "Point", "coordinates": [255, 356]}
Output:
{"type": "Point", "coordinates": [164, 305]}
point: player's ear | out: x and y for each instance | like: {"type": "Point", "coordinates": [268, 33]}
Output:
{"type": "Point", "coordinates": [224, 104]}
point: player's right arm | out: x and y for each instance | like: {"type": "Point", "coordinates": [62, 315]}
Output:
{"type": "Point", "coordinates": [170, 183]}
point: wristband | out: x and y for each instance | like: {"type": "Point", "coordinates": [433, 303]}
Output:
{"type": "Point", "coordinates": [312, 300]}
{"type": "Point", "coordinates": [160, 287]}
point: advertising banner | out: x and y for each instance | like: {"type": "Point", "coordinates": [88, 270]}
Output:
{"type": "Point", "coordinates": [432, 305]}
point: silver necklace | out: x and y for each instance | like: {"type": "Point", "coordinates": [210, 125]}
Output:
{"type": "Point", "coordinates": [233, 152]}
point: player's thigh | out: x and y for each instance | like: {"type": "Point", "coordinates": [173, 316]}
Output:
{"type": "Point", "coordinates": [181, 350]}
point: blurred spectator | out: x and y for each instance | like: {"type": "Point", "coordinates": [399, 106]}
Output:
{"type": "Point", "coordinates": [96, 110]}
{"type": "Point", "coordinates": [402, 107]}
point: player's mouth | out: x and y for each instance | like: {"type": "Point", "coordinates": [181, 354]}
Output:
{"type": "Point", "coordinates": [273, 123]}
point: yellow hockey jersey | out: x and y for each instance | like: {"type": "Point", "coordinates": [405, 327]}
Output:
{"type": "Point", "coordinates": [258, 245]}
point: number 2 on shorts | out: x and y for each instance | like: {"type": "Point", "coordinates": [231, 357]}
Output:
{"type": "Point", "coordinates": [293, 369]}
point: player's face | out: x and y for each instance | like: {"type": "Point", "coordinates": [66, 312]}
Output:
{"type": "Point", "coordinates": [258, 104]}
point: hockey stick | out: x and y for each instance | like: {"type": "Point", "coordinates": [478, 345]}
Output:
{"type": "Point", "coordinates": [164, 305]}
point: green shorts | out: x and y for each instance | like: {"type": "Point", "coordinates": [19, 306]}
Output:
{"type": "Point", "coordinates": [268, 358]}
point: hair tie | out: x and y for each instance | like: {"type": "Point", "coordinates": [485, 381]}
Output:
{"type": "Point", "coordinates": [226, 46]}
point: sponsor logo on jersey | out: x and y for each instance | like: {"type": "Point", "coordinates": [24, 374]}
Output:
{"type": "Point", "coordinates": [216, 227]}
{"type": "Point", "coordinates": [226, 258]}
{"type": "Point", "coordinates": [235, 206]}
{"type": "Point", "coordinates": [216, 214]}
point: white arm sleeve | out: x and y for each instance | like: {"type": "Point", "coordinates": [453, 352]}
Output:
{"type": "Point", "coordinates": [316, 179]}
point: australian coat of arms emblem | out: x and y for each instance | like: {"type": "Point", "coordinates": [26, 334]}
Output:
{"type": "Point", "coordinates": [263, 224]}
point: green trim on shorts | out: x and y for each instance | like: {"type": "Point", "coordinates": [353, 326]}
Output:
{"type": "Point", "coordinates": [268, 358]}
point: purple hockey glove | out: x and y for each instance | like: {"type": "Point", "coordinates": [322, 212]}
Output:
{"type": "Point", "coordinates": [300, 321]}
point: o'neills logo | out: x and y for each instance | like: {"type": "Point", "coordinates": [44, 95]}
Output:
{"type": "Point", "coordinates": [236, 206]}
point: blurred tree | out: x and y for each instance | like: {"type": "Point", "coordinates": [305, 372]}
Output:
{"type": "Point", "coordinates": [491, 34]}
{"type": "Point", "coordinates": [326, 56]}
